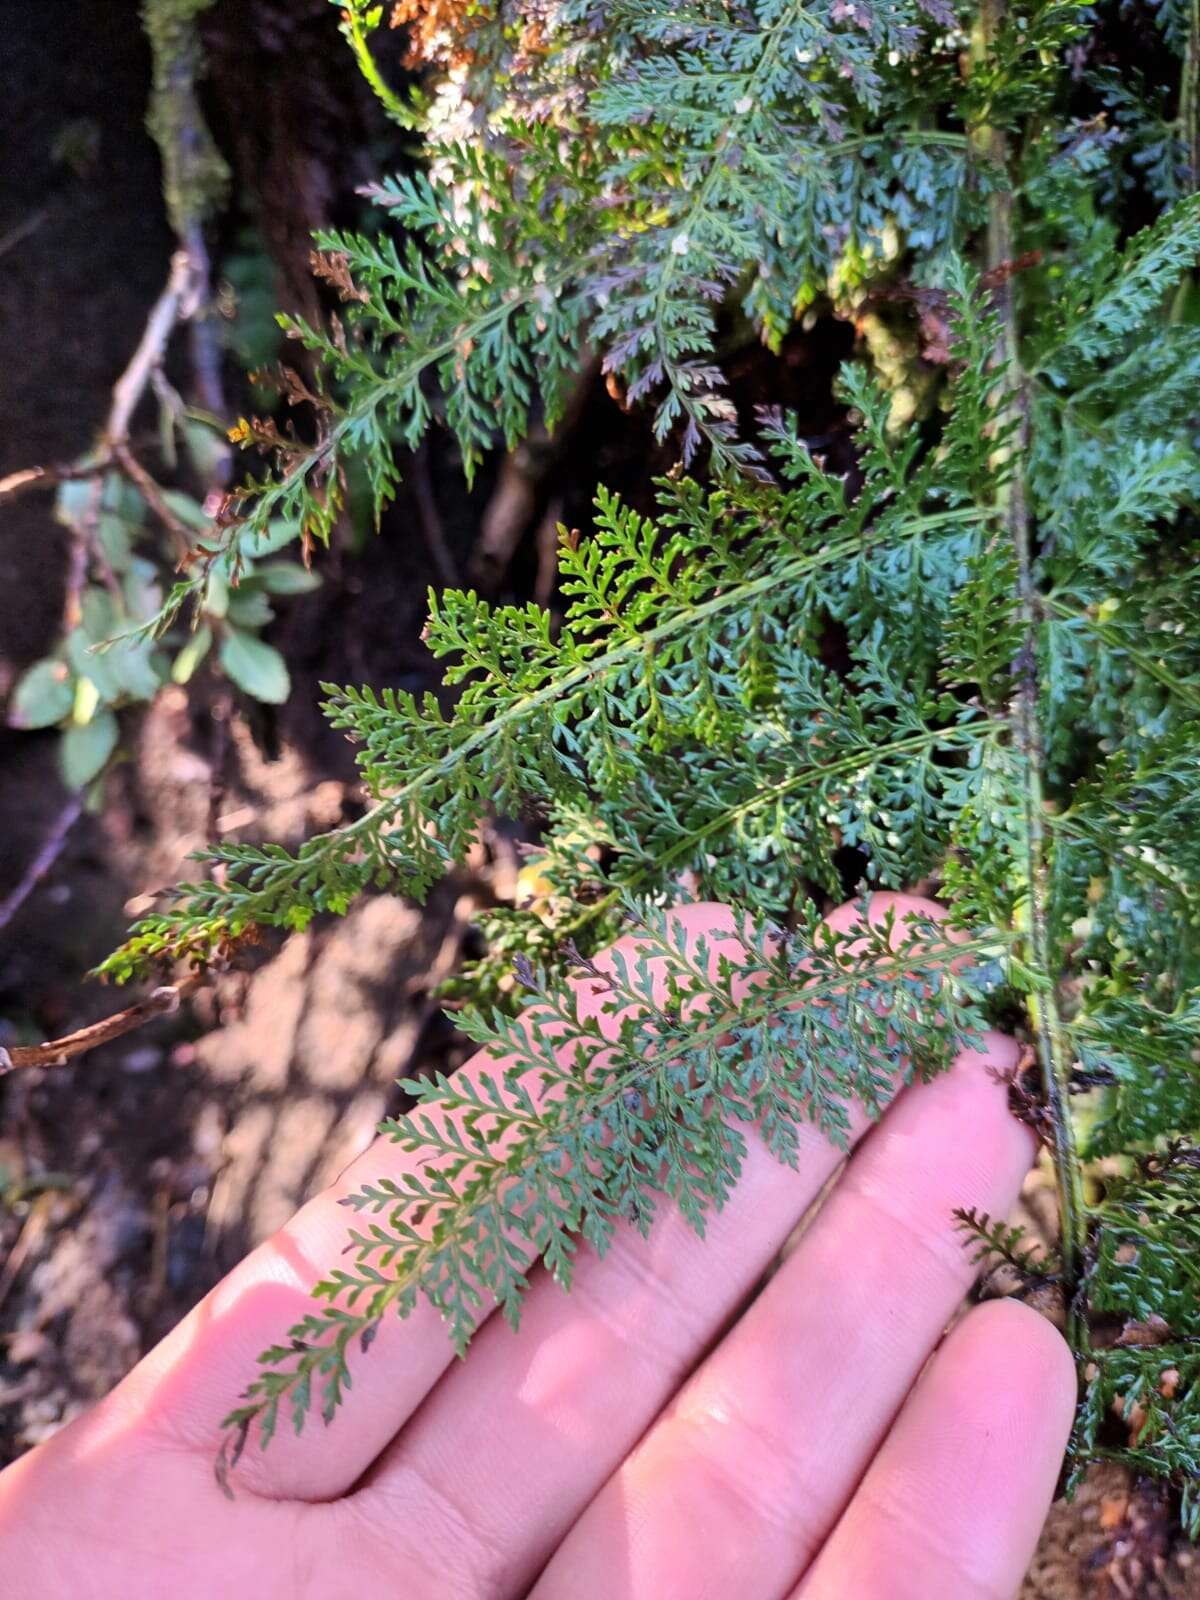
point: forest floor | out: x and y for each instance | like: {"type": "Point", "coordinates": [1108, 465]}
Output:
{"type": "Point", "coordinates": [132, 1179]}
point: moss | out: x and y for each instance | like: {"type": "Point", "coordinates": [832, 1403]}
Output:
{"type": "Point", "coordinates": [195, 175]}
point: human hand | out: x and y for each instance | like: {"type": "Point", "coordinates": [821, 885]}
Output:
{"type": "Point", "coordinates": [658, 1434]}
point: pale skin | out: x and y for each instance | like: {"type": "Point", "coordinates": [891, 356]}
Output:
{"type": "Point", "coordinates": [662, 1433]}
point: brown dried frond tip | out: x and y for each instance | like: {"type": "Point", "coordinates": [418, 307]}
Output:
{"type": "Point", "coordinates": [435, 30]}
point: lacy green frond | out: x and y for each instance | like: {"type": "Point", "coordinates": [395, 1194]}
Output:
{"type": "Point", "coordinates": [666, 626]}
{"type": "Point", "coordinates": [1153, 1395]}
{"type": "Point", "coordinates": [1144, 1275]}
{"type": "Point", "coordinates": [601, 1115]}
{"type": "Point", "coordinates": [1150, 1060]}
{"type": "Point", "coordinates": [1150, 267]}
{"type": "Point", "coordinates": [686, 157]}
{"type": "Point", "coordinates": [1147, 1260]}
{"type": "Point", "coordinates": [994, 1243]}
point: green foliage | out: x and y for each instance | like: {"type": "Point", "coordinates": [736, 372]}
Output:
{"type": "Point", "coordinates": [42, 696]}
{"type": "Point", "coordinates": [972, 658]}
{"type": "Point", "coordinates": [256, 667]}
{"type": "Point", "coordinates": [107, 660]}
{"type": "Point", "coordinates": [86, 748]}
{"type": "Point", "coordinates": [1153, 1058]}
{"type": "Point", "coordinates": [1144, 1273]}
{"type": "Point", "coordinates": [679, 692]}
{"type": "Point", "coordinates": [111, 655]}
{"type": "Point", "coordinates": [646, 162]}
{"type": "Point", "coordinates": [645, 1106]}
{"type": "Point", "coordinates": [1159, 1389]}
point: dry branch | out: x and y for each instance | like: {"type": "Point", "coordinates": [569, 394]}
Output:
{"type": "Point", "coordinates": [154, 498]}
{"type": "Point", "coordinates": [54, 1052]}
{"type": "Point", "coordinates": [178, 301]}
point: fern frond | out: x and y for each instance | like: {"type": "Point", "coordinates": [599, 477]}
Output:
{"type": "Point", "coordinates": [970, 655]}
{"type": "Point", "coordinates": [1152, 265]}
{"type": "Point", "coordinates": [599, 1119]}
{"type": "Point", "coordinates": [997, 1242]}
{"type": "Point", "coordinates": [653, 650]}
{"type": "Point", "coordinates": [1152, 1059]}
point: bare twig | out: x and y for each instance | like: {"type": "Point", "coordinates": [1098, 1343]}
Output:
{"type": "Point", "coordinates": [426, 990]}
{"type": "Point", "coordinates": [177, 301]}
{"type": "Point", "coordinates": [84, 547]}
{"type": "Point", "coordinates": [160, 1002]}
{"type": "Point", "coordinates": [521, 483]}
{"type": "Point", "coordinates": [43, 861]}
{"type": "Point", "coordinates": [154, 498]}
{"type": "Point", "coordinates": [547, 544]}
{"type": "Point", "coordinates": [27, 478]}
{"type": "Point", "coordinates": [218, 755]}
{"type": "Point", "coordinates": [206, 351]}
{"type": "Point", "coordinates": [32, 1230]}
{"type": "Point", "coordinates": [508, 515]}
{"type": "Point", "coordinates": [16, 235]}
{"type": "Point", "coordinates": [195, 176]}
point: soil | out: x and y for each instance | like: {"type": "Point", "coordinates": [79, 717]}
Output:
{"type": "Point", "coordinates": [131, 1180]}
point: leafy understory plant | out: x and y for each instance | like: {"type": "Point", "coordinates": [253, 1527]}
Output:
{"type": "Point", "coordinates": [105, 661]}
{"type": "Point", "coordinates": [970, 659]}
{"type": "Point", "coordinates": [125, 530]}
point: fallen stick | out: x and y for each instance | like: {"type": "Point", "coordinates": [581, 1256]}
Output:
{"type": "Point", "coordinates": [54, 1052]}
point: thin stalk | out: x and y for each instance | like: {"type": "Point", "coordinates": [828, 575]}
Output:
{"type": "Point", "coordinates": [1115, 639]}
{"type": "Point", "coordinates": [1189, 99]}
{"type": "Point", "coordinates": [1012, 503]}
{"type": "Point", "coordinates": [1188, 129]}
{"type": "Point", "coordinates": [355, 27]}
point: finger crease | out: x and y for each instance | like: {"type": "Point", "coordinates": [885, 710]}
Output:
{"type": "Point", "coordinates": [740, 1439]}
{"type": "Point", "coordinates": [472, 1564]}
{"type": "Point", "coordinates": [933, 1240]}
{"type": "Point", "coordinates": [919, 1533]}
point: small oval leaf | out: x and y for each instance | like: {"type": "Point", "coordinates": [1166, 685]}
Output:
{"type": "Point", "coordinates": [192, 654]}
{"type": "Point", "coordinates": [256, 667]}
{"type": "Point", "coordinates": [85, 749]}
{"type": "Point", "coordinates": [44, 695]}
{"type": "Point", "coordinates": [249, 607]}
{"type": "Point", "coordinates": [284, 577]}
{"type": "Point", "coordinates": [96, 666]}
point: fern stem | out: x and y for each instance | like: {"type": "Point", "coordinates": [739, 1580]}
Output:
{"type": "Point", "coordinates": [1189, 99]}
{"type": "Point", "coordinates": [354, 30]}
{"type": "Point", "coordinates": [1012, 503]}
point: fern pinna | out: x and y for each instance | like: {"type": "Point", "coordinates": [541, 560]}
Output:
{"type": "Point", "coordinates": [1008, 573]}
